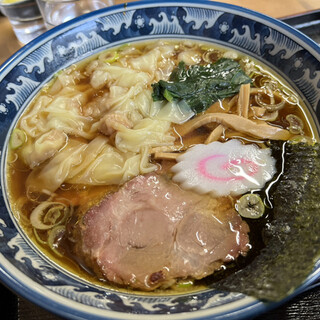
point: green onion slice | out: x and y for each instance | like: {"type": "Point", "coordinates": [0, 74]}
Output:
{"type": "Point", "coordinates": [250, 206]}
{"type": "Point", "coordinates": [17, 139]}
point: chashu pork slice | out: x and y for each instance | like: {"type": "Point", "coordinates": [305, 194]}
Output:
{"type": "Point", "coordinates": [150, 233]}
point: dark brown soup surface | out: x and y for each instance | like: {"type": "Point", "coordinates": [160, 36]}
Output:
{"type": "Point", "coordinates": [139, 109]}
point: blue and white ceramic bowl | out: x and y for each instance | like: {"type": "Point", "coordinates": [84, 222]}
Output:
{"type": "Point", "coordinates": [26, 270]}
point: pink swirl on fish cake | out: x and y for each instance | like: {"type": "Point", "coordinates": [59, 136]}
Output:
{"type": "Point", "coordinates": [227, 166]}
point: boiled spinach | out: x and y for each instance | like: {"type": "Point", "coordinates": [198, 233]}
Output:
{"type": "Point", "coordinates": [201, 85]}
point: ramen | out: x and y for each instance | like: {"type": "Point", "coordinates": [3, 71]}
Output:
{"type": "Point", "coordinates": [187, 117]}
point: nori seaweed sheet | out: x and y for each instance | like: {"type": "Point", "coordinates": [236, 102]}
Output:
{"type": "Point", "coordinates": [292, 236]}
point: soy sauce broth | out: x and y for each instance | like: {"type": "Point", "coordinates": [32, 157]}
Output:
{"type": "Point", "coordinates": [22, 202]}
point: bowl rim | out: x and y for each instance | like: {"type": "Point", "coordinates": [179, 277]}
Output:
{"type": "Point", "coordinates": [12, 278]}
{"type": "Point", "coordinates": [298, 36]}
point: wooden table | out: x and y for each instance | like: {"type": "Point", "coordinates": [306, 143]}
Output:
{"type": "Point", "coordinates": [304, 307]}
{"type": "Point", "coordinates": [278, 8]}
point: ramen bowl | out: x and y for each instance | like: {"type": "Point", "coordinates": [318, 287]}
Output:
{"type": "Point", "coordinates": [29, 272]}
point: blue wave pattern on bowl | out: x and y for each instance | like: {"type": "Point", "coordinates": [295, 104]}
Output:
{"type": "Point", "coordinates": [107, 28]}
